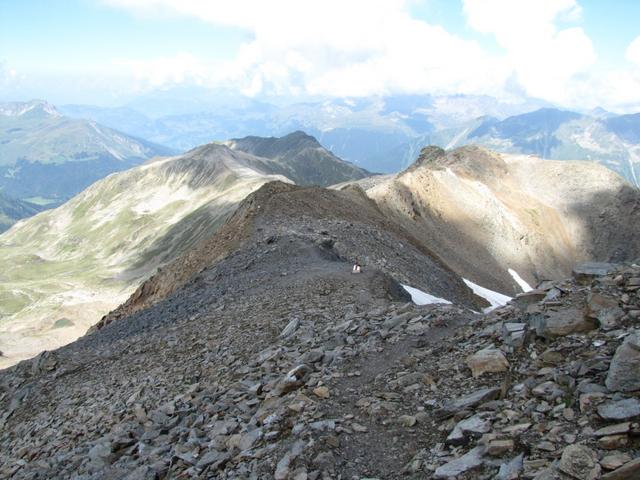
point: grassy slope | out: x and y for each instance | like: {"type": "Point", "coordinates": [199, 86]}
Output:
{"type": "Point", "coordinates": [65, 268]}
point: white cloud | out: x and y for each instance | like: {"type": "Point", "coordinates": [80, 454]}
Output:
{"type": "Point", "coordinates": [364, 47]}
{"type": "Point", "coordinates": [633, 51]}
{"type": "Point", "coordinates": [355, 48]}
{"type": "Point", "coordinates": [545, 59]}
{"type": "Point", "coordinates": [177, 69]}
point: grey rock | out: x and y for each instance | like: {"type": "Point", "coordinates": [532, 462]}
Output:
{"type": "Point", "coordinates": [579, 461]}
{"type": "Point", "coordinates": [620, 409]}
{"type": "Point", "coordinates": [469, 461]}
{"type": "Point", "coordinates": [471, 400]}
{"type": "Point", "coordinates": [560, 323]}
{"type": "Point", "coordinates": [512, 469]}
{"type": "Point", "coordinates": [290, 329]}
{"type": "Point", "coordinates": [624, 371]}
{"type": "Point", "coordinates": [587, 272]}
{"type": "Point", "coordinates": [472, 426]}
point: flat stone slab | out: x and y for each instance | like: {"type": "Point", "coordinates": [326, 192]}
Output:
{"type": "Point", "coordinates": [620, 409]}
{"type": "Point", "coordinates": [469, 461]}
{"type": "Point", "coordinates": [471, 400]}
{"type": "Point", "coordinates": [586, 272]}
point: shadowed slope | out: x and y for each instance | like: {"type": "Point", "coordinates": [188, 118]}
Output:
{"type": "Point", "coordinates": [486, 213]}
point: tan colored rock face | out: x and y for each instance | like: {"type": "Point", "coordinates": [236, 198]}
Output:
{"type": "Point", "coordinates": [490, 360]}
{"type": "Point", "coordinates": [486, 213]}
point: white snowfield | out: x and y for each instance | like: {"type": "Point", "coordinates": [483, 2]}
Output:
{"type": "Point", "coordinates": [494, 298]}
{"type": "Point", "coordinates": [422, 298]}
{"type": "Point", "coordinates": [519, 280]}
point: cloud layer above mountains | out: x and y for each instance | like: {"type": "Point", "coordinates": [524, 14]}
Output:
{"type": "Point", "coordinates": [336, 48]}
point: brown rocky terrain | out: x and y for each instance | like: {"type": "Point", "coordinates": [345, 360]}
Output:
{"type": "Point", "coordinates": [487, 213]}
{"type": "Point", "coordinates": [259, 354]}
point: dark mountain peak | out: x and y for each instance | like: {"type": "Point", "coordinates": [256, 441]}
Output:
{"type": "Point", "coordinates": [428, 156]}
{"type": "Point", "coordinates": [272, 147]}
{"type": "Point", "coordinates": [301, 158]}
{"type": "Point", "coordinates": [300, 135]}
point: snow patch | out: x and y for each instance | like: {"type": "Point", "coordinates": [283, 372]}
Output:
{"type": "Point", "coordinates": [494, 298]}
{"type": "Point", "coordinates": [523, 284]}
{"type": "Point", "coordinates": [422, 298]}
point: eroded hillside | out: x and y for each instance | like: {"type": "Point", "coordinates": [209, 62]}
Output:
{"type": "Point", "coordinates": [488, 214]}
{"type": "Point", "coordinates": [274, 361]}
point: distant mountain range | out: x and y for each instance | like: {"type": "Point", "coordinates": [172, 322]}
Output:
{"type": "Point", "coordinates": [612, 140]}
{"type": "Point", "coordinates": [48, 157]}
{"type": "Point", "coordinates": [356, 130]}
{"type": "Point", "coordinates": [383, 134]}
{"type": "Point", "coordinates": [65, 268]}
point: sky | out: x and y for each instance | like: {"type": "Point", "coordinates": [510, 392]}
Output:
{"type": "Point", "coordinates": [572, 53]}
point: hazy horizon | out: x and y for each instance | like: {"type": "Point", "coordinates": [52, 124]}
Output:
{"type": "Point", "coordinates": [572, 54]}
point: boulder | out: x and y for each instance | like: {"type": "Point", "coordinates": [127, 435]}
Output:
{"type": "Point", "coordinates": [624, 370]}
{"type": "Point", "coordinates": [560, 323]}
{"type": "Point", "coordinates": [585, 273]}
{"type": "Point", "coordinates": [579, 462]}
{"type": "Point", "coordinates": [465, 463]}
{"type": "Point", "coordinates": [603, 309]}
{"type": "Point", "coordinates": [620, 409]}
{"type": "Point", "coordinates": [488, 360]}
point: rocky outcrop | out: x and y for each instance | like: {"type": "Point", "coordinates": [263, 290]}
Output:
{"type": "Point", "coordinates": [242, 372]}
{"type": "Point", "coordinates": [490, 215]}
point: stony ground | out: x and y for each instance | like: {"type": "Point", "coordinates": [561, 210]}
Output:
{"type": "Point", "coordinates": [277, 362]}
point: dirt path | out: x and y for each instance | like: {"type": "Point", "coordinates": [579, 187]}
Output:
{"type": "Point", "coordinates": [374, 399]}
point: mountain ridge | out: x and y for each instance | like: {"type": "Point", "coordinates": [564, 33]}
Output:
{"type": "Point", "coordinates": [45, 154]}
{"type": "Point", "coordinates": [548, 133]}
{"type": "Point", "coordinates": [70, 266]}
